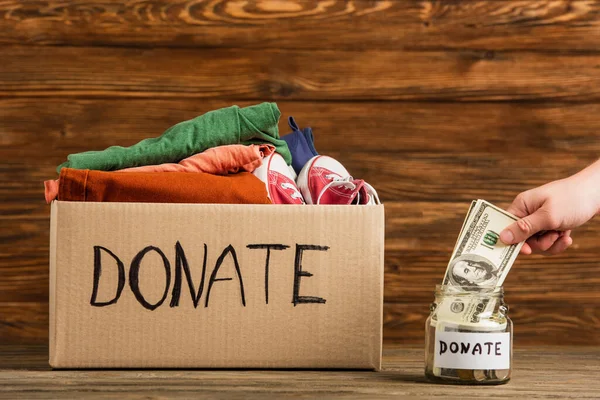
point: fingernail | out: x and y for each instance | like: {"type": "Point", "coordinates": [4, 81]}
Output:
{"type": "Point", "coordinates": [507, 236]}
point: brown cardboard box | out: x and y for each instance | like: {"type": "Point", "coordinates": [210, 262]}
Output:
{"type": "Point", "coordinates": [122, 277]}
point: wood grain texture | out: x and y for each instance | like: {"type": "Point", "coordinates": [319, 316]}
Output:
{"type": "Point", "coordinates": [24, 322]}
{"type": "Point", "coordinates": [568, 372]}
{"type": "Point", "coordinates": [540, 323]}
{"type": "Point", "coordinates": [30, 126]}
{"type": "Point", "coordinates": [419, 240]}
{"type": "Point", "coordinates": [440, 177]}
{"type": "Point", "coordinates": [410, 151]}
{"type": "Point", "coordinates": [432, 102]}
{"type": "Point", "coordinates": [309, 75]}
{"type": "Point", "coordinates": [306, 24]}
{"type": "Point", "coordinates": [413, 153]}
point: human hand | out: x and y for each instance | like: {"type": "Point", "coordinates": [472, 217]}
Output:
{"type": "Point", "coordinates": [548, 213]}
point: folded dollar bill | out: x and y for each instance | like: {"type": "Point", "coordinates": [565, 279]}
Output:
{"type": "Point", "coordinates": [480, 262]}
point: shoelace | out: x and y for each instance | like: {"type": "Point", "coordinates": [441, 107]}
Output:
{"type": "Point", "coordinates": [295, 193]}
{"type": "Point", "coordinates": [335, 182]}
{"type": "Point", "coordinates": [373, 193]}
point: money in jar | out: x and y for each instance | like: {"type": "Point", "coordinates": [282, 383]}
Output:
{"type": "Point", "coordinates": [468, 336]}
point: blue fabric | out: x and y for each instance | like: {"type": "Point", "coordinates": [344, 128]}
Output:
{"type": "Point", "coordinates": [301, 145]}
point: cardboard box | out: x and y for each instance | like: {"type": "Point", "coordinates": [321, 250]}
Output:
{"type": "Point", "coordinates": [283, 286]}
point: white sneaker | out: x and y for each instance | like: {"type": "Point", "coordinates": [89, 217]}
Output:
{"type": "Point", "coordinates": [279, 180]}
{"type": "Point", "coordinates": [324, 180]}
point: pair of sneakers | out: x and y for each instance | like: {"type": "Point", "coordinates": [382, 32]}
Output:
{"type": "Point", "coordinates": [322, 180]}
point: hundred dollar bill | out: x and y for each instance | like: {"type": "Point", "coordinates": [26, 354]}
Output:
{"type": "Point", "coordinates": [480, 261]}
{"type": "Point", "coordinates": [464, 223]}
{"type": "Point", "coordinates": [472, 205]}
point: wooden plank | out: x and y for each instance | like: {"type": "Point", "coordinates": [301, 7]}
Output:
{"type": "Point", "coordinates": [24, 322]}
{"type": "Point", "coordinates": [461, 177]}
{"type": "Point", "coordinates": [538, 323]}
{"type": "Point", "coordinates": [410, 275]}
{"type": "Point", "coordinates": [419, 240]}
{"type": "Point", "coordinates": [570, 277]}
{"type": "Point", "coordinates": [412, 151]}
{"type": "Point", "coordinates": [71, 125]}
{"type": "Point", "coordinates": [306, 24]}
{"type": "Point", "coordinates": [466, 76]}
{"type": "Point", "coordinates": [23, 356]}
{"type": "Point", "coordinates": [444, 177]}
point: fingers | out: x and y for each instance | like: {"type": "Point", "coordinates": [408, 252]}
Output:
{"type": "Point", "coordinates": [541, 243]}
{"type": "Point", "coordinates": [519, 209]}
{"type": "Point", "coordinates": [526, 249]}
{"type": "Point", "coordinates": [548, 244]}
{"type": "Point", "coordinates": [559, 246]}
{"type": "Point", "coordinates": [565, 233]}
{"type": "Point", "coordinates": [526, 227]}
{"type": "Point", "coordinates": [519, 206]}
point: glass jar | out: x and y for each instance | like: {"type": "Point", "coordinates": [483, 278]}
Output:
{"type": "Point", "coordinates": [468, 336]}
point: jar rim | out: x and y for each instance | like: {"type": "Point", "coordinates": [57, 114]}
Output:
{"type": "Point", "coordinates": [470, 290]}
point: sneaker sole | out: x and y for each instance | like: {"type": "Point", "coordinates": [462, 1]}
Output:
{"type": "Point", "coordinates": [268, 184]}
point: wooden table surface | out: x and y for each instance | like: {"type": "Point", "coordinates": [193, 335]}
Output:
{"type": "Point", "coordinates": [539, 372]}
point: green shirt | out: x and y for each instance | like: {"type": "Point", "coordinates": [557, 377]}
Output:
{"type": "Point", "coordinates": [232, 125]}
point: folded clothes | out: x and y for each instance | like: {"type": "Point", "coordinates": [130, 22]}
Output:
{"type": "Point", "coordinates": [160, 187]}
{"type": "Point", "coordinates": [301, 145]}
{"type": "Point", "coordinates": [232, 125]}
{"type": "Point", "coordinates": [220, 160]}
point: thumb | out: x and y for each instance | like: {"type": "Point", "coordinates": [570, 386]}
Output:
{"type": "Point", "coordinates": [526, 227]}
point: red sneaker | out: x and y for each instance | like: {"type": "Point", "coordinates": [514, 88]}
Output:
{"type": "Point", "coordinates": [367, 195]}
{"type": "Point", "coordinates": [324, 180]}
{"type": "Point", "coordinates": [279, 180]}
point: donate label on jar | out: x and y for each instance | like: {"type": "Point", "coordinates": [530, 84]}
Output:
{"type": "Point", "coordinates": [468, 350]}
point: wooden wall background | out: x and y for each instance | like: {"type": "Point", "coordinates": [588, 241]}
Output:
{"type": "Point", "coordinates": [435, 103]}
